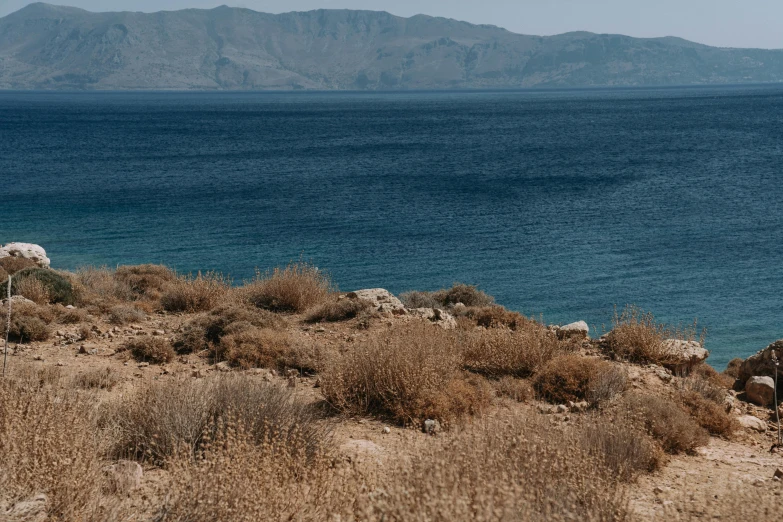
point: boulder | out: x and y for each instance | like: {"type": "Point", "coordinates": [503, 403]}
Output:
{"type": "Point", "coordinates": [28, 251]}
{"type": "Point", "coordinates": [578, 330]}
{"type": "Point", "coordinates": [383, 300]}
{"type": "Point", "coordinates": [760, 390]}
{"type": "Point", "coordinates": [15, 301]}
{"type": "Point", "coordinates": [762, 364]}
{"type": "Point", "coordinates": [684, 355]}
{"type": "Point", "coordinates": [30, 510]}
{"type": "Point", "coordinates": [436, 316]}
{"type": "Point", "coordinates": [752, 423]}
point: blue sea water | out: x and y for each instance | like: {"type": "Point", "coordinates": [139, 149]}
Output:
{"type": "Point", "coordinates": [559, 203]}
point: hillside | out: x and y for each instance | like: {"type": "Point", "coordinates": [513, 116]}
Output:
{"type": "Point", "coordinates": [53, 47]}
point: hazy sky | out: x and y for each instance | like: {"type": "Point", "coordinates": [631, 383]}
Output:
{"type": "Point", "coordinates": [729, 23]}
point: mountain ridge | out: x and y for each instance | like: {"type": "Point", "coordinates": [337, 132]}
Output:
{"type": "Point", "coordinates": [225, 48]}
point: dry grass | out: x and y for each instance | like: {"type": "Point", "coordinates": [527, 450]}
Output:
{"type": "Point", "coordinates": [70, 316]}
{"type": "Point", "coordinates": [409, 373]}
{"type": "Point", "coordinates": [100, 289]}
{"type": "Point", "coordinates": [3, 275]}
{"type": "Point", "coordinates": [255, 348]}
{"type": "Point", "coordinates": [155, 350]}
{"type": "Point", "coordinates": [637, 337]}
{"type": "Point", "coordinates": [335, 311]}
{"type": "Point", "coordinates": [12, 265]}
{"type": "Point", "coordinates": [666, 421]}
{"type": "Point", "coordinates": [519, 390]}
{"type": "Point", "coordinates": [496, 317]}
{"type": "Point", "coordinates": [146, 281]}
{"type": "Point", "coordinates": [623, 448]}
{"type": "Point", "coordinates": [49, 444]}
{"type": "Point", "coordinates": [293, 289]}
{"type": "Point", "coordinates": [125, 314]}
{"type": "Point", "coordinates": [520, 353]}
{"type": "Point", "coordinates": [29, 323]}
{"type": "Point", "coordinates": [469, 295]}
{"type": "Point", "coordinates": [733, 368]}
{"type": "Point", "coordinates": [195, 294]}
{"type": "Point", "coordinates": [573, 378]}
{"type": "Point", "coordinates": [719, 380]}
{"type": "Point", "coordinates": [98, 378]}
{"type": "Point", "coordinates": [709, 415]}
{"type": "Point", "coordinates": [33, 289]}
{"type": "Point", "coordinates": [606, 384]}
{"type": "Point", "coordinates": [162, 419]}
{"type": "Point", "coordinates": [416, 299]}
{"type": "Point", "coordinates": [205, 332]}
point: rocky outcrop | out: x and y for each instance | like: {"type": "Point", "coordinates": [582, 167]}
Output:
{"type": "Point", "coordinates": [27, 251]}
{"type": "Point", "coordinates": [684, 355]}
{"type": "Point", "coordinates": [382, 300]}
{"type": "Point", "coordinates": [435, 316]}
{"type": "Point", "coordinates": [16, 300]}
{"type": "Point", "coordinates": [762, 364]}
{"type": "Point", "coordinates": [578, 330]}
{"type": "Point", "coordinates": [760, 390]}
{"type": "Point", "coordinates": [752, 423]}
{"type": "Point", "coordinates": [30, 510]}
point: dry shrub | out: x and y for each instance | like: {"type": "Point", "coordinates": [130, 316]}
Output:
{"type": "Point", "coordinates": [666, 421]}
{"type": "Point", "coordinates": [469, 295]}
{"type": "Point", "coordinates": [49, 444]}
{"type": "Point", "coordinates": [519, 390]}
{"type": "Point", "coordinates": [497, 352]}
{"type": "Point", "coordinates": [205, 331]}
{"type": "Point", "coordinates": [156, 350]}
{"type": "Point", "coordinates": [59, 286]}
{"type": "Point", "coordinates": [33, 289]}
{"type": "Point", "coordinates": [295, 288]}
{"type": "Point", "coordinates": [98, 287]}
{"type": "Point", "coordinates": [522, 470]}
{"type": "Point", "coordinates": [85, 332]}
{"type": "Point", "coordinates": [708, 414]}
{"type": "Point", "coordinates": [335, 311]}
{"type": "Point", "coordinates": [195, 294]}
{"type": "Point", "coordinates": [570, 378]}
{"type": "Point", "coordinates": [711, 387]}
{"type": "Point", "coordinates": [124, 314]}
{"type": "Point", "coordinates": [98, 378]}
{"type": "Point", "coordinates": [29, 323]}
{"type": "Point", "coordinates": [496, 317]}
{"type": "Point", "coordinates": [607, 383]}
{"type": "Point", "coordinates": [407, 374]}
{"type": "Point", "coordinates": [162, 418]}
{"type": "Point", "coordinates": [12, 264]}
{"type": "Point", "coordinates": [719, 380]}
{"type": "Point", "coordinates": [3, 275]}
{"type": "Point", "coordinates": [71, 316]}
{"type": "Point", "coordinates": [146, 281]}
{"type": "Point", "coordinates": [624, 449]}
{"type": "Point", "coordinates": [637, 337]}
{"type": "Point", "coordinates": [416, 299]}
{"type": "Point", "coordinates": [255, 348]}
{"type": "Point", "coordinates": [733, 368]}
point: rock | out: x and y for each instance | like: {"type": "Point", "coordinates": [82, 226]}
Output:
{"type": "Point", "coordinates": [580, 406]}
{"type": "Point", "coordinates": [684, 355]}
{"type": "Point", "coordinates": [386, 430]}
{"type": "Point", "coordinates": [383, 300]}
{"type": "Point", "coordinates": [27, 251]}
{"type": "Point", "coordinates": [577, 330]}
{"type": "Point", "coordinates": [223, 366]}
{"type": "Point", "coordinates": [546, 409]}
{"type": "Point", "coordinates": [762, 364]}
{"type": "Point", "coordinates": [16, 300]}
{"type": "Point", "coordinates": [70, 307]}
{"type": "Point", "coordinates": [562, 408]}
{"type": "Point", "coordinates": [431, 427]}
{"type": "Point", "coordinates": [158, 332]}
{"type": "Point", "coordinates": [760, 390]}
{"type": "Point", "coordinates": [435, 315]}
{"type": "Point", "coordinates": [38, 357]}
{"type": "Point", "coordinates": [662, 373]}
{"type": "Point", "coordinates": [752, 423]}
{"type": "Point", "coordinates": [123, 476]}
{"type": "Point", "coordinates": [778, 474]}
{"type": "Point", "coordinates": [31, 510]}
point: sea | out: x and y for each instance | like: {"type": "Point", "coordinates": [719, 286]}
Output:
{"type": "Point", "coordinates": [563, 204]}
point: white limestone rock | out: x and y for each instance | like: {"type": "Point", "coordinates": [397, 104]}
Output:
{"type": "Point", "coordinates": [26, 250]}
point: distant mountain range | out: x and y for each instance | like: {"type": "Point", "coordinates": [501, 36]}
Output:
{"type": "Point", "coordinates": [52, 47]}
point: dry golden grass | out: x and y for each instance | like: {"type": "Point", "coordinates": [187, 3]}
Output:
{"type": "Point", "coordinates": [146, 281]}
{"type": "Point", "coordinates": [255, 348]}
{"type": "Point", "coordinates": [49, 444]}
{"type": "Point", "coordinates": [70, 316]}
{"type": "Point", "coordinates": [709, 415]}
{"type": "Point", "coordinates": [706, 372]}
{"type": "Point", "coordinates": [155, 350]}
{"type": "Point", "coordinates": [665, 421]}
{"type": "Point", "coordinates": [574, 378]}
{"type": "Point", "coordinates": [33, 289]}
{"type": "Point", "coordinates": [606, 384]}
{"type": "Point", "coordinates": [163, 419]}
{"type": "Point", "coordinates": [622, 447]}
{"type": "Point", "coordinates": [125, 314]}
{"type": "Point", "coordinates": [295, 288]}
{"type": "Point", "coordinates": [12, 265]}
{"type": "Point", "coordinates": [335, 311]}
{"type": "Point", "coordinates": [469, 295]}
{"type": "Point", "coordinates": [195, 294]}
{"type": "Point", "coordinates": [408, 373]}
{"type": "Point", "coordinates": [497, 352]}
{"type": "Point", "coordinates": [637, 337]}
{"type": "Point", "coordinates": [98, 288]}
{"type": "Point", "coordinates": [98, 378]}
{"type": "Point", "coordinates": [520, 390]}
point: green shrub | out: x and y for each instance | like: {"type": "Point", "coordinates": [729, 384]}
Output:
{"type": "Point", "coordinates": [59, 289]}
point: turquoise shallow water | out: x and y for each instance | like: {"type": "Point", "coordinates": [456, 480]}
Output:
{"type": "Point", "coordinates": [558, 203]}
